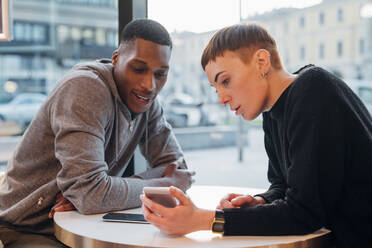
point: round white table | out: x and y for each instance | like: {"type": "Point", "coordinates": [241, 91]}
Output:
{"type": "Point", "coordinates": [77, 230]}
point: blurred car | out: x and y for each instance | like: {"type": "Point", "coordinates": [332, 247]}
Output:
{"type": "Point", "coordinates": [22, 109]}
{"type": "Point", "coordinates": [364, 91]}
{"type": "Point", "coordinates": [182, 111]}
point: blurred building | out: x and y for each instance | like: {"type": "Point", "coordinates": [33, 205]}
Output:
{"type": "Point", "coordinates": [332, 34]}
{"type": "Point", "coordinates": [186, 74]}
{"type": "Point", "coordinates": [50, 36]}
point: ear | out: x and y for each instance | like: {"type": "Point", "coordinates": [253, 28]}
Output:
{"type": "Point", "coordinates": [263, 63]}
{"type": "Point", "coordinates": [114, 58]}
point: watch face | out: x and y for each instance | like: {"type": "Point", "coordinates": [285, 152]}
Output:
{"type": "Point", "coordinates": [218, 227]}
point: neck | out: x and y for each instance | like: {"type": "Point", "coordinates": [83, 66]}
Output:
{"type": "Point", "coordinates": [278, 81]}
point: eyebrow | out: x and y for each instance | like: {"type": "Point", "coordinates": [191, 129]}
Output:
{"type": "Point", "coordinates": [144, 63]}
{"type": "Point", "coordinates": [139, 61]}
{"type": "Point", "coordinates": [216, 77]}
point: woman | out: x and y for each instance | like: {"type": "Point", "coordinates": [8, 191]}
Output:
{"type": "Point", "coordinates": [318, 137]}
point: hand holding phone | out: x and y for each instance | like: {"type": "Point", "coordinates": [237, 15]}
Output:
{"type": "Point", "coordinates": [160, 195]}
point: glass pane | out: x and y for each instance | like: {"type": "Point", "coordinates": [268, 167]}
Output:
{"type": "Point", "coordinates": [316, 32]}
{"type": "Point", "coordinates": [49, 36]}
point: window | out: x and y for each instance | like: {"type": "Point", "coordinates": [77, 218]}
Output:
{"type": "Point", "coordinates": [321, 51]}
{"type": "Point", "coordinates": [302, 53]}
{"type": "Point", "coordinates": [340, 15]}
{"type": "Point", "coordinates": [100, 37]}
{"type": "Point", "coordinates": [361, 46]}
{"type": "Point", "coordinates": [29, 32]}
{"type": "Point", "coordinates": [321, 18]}
{"type": "Point", "coordinates": [302, 21]}
{"type": "Point", "coordinates": [339, 48]}
{"type": "Point", "coordinates": [76, 34]}
{"type": "Point", "coordinates": [38, 56]}
{"type": "Point", "coordinates": [62, 33]}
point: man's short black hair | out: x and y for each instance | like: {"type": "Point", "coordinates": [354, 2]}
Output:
{"type": "Point", "coordinates": [148, 30]}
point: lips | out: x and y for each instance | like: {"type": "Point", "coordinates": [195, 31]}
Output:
{"type": "Point", "coordinates": [141, 98]}
{"type": "Point", "coordinates": [237, 110]}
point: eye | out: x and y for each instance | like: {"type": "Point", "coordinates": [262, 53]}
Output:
{"type": "Point", "coordinates": [160, 75]}
{"type": "Point", "coordinates": [138, 69]}
{"type": "Point", "coordinates": [225, 82]}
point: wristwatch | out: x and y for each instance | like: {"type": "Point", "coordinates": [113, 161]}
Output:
{"type": "Point", "coordinates": [218, 225]}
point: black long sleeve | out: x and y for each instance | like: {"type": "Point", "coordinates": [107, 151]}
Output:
{"type": "Point", "coordinates": [318, 138]}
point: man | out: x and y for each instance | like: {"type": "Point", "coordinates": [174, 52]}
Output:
{"type": "Point", "coordinates": [85, 134]}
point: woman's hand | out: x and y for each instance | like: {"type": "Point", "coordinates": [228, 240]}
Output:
{"type": "Point", "coordinates": [180, 220]}
{"type": "Point", "coordinates": [238, 200]}
{"type": "Point", "coordinates": [62, 204]}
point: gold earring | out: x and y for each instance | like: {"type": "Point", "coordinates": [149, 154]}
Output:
{"type": "Point", "coordinates": [264, 75]}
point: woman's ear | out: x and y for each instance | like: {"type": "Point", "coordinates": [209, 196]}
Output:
{"type": "Point", "coordinates": [263, 63]}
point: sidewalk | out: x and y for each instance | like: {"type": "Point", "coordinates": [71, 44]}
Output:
{"type": "Point", "coordinates": [219, 166]}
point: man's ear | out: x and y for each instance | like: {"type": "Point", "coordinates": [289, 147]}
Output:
{"type": "Point", "coordinates": [114, 58]}
{"type": "Point", "coordinates": [262, 57]}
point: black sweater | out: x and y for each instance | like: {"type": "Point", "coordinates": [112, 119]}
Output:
{"type": "Point", "coordinates": [318, 137]}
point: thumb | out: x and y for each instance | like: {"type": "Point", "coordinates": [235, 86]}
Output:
{"type": "Point", "coordinates": [170, 169]}
{"type": "Point", "coordinates": [179, 195]}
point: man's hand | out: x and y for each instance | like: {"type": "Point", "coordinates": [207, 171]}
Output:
{"type": "Point", "coordinates": [62, 204]}
{"type": "Point", "coordinates": [238, 200]}
{"type": "Point", "coordinates": [179, 178]}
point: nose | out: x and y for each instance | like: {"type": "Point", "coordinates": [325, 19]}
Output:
{"type": "Point", "coordinates": [223, 97]}
{"type": "Point", "coordinates": [148, 83]}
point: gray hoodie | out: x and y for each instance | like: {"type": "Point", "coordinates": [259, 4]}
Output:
{"type": "Point", "coordinates": [79, 144]}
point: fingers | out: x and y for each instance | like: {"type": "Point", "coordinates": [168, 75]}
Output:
{"type": "Point", "coordinates": [191, 173]}
{"type": "Point", "coordinates": [59, 196]}
{"type": "Point", "coordinates": [62, 204]}
{"type": "Point", "coordinates": [230, 196]}
{"type": "Point", "coordinates": [51, 214]}
{"type": "Point", "coordinates": [153, 206]}
{"type": "Point", "coordinates": [170, 169]}
{"type": "Point", "coordinates": [226, 201]}
{"type": "Point", "coordinates": [179, 195]}
{"type": "Point", "coordinates": [150, 216]}
{"type": "Point", "coordinates": [225, 204]}
{"type": "Point", "coordinates": [65, 207]}
{"type": "Point", "coordinates": [245, 200]}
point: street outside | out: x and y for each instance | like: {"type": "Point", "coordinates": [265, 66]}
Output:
{"type": "Point", "coordinates": [219, 166]}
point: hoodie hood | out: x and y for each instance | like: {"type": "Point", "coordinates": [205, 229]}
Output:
{"type": "Point", "coordinates": [103, 68]}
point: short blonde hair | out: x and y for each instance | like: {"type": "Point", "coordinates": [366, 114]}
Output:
{"type": "Point", "coordinates": [241, 38]}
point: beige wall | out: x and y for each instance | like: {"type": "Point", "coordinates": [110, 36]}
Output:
{"type": "Point", "coordinates": [290, 36]}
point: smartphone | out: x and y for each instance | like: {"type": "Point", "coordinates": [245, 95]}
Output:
{"type": "Point", "coordinates": [125, 217]}
{"type": "Point", "coordinates": [160, 195]}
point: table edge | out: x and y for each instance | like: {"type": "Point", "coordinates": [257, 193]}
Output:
{"type": "Point", "coordinates": [75, 240]}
